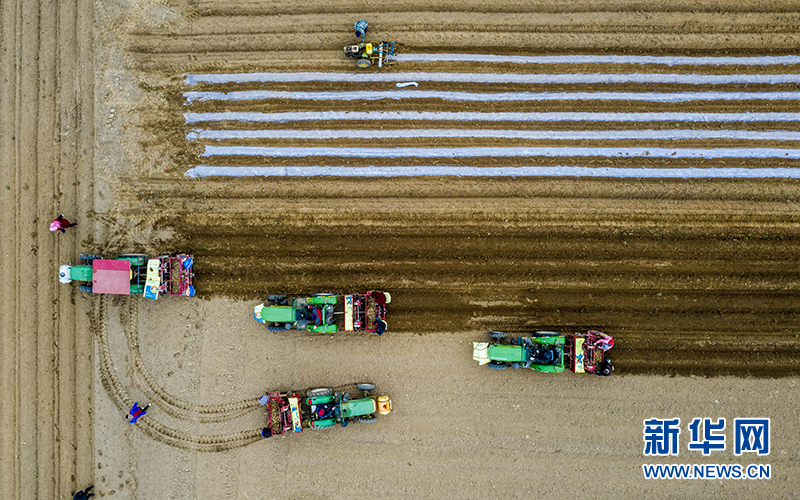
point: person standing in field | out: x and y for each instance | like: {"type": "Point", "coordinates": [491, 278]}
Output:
{"type": "Point", "coordinates": [136, 412]}
{"type": "Point", "coordinates": [84, 494]}
{"type": "Point", "coordinates": [61, 224]}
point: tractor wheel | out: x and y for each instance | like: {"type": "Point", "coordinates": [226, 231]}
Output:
{"type": "Point", "coordinates": [322, 391]}
{"type": "Point", "coordinates": [363, 63]}
{"type": "Point", "coordinates": [498, 335]}
{"type": "Point", "coordinates": [366, 387]}
{"type": "Point", "coordinates": [497, 365]}
{"type": "Point", "coordinates": [367, 419]}
{"type": "Point", "coordinates": [301, 324]}
{"type": "Point", "coordinates": [605, 369]}
{"type": "Point", "coordinates": [89, 257]}
{"type": "Point", "coordinates": [515, 366]}
{"type": "Point", "coordinates": [275, 328]}
{"type": "Point", "coordinates": [85, 288]}
{"type": "Point", "coordinates": [276, 298]}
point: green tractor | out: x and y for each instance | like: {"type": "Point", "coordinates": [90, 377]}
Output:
{"type": "Point", "coordinates": [125, 275]}
{"type": "Point", "coordinates": [315, 313]}
{"type": "Point", "coordinates": [322, 409]}
{"type": "Point", "coordinates": [325, 312]}
{"type": "Point", "coordinates": [132, 274]}
{"type": "Point", "coordinates": [548, 352]}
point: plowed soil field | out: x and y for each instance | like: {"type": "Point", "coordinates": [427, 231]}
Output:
{"type": "Point", "coordinates": [696, 279]}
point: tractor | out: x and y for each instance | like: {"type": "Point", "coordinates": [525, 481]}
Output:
{"type": "Point", "coordinates": [321, 409]}
{"type": "Point", "coordinates": [132, 274]}
{"type": "Point", "coordinates": [549, 352]}
{"type": "Point", "coordinates": [369, 53]}
{"type": "Point", "coordinates": [325, 312]}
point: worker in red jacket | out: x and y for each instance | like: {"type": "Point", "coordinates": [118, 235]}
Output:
{"type": "Point", "coordinates": [61, 224]}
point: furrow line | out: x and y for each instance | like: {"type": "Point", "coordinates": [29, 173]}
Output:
{"type": "Point", "coordinates": [595, 200]}
{"type": "Point", "coordinates": [46, 252]}
{"type": "Point", "coordinates": [9, 247]}
{"type": "Point", "coordinates": [30, 453]}
{"type": "Point", "coordinates": [350, 8]}
{"type": "Point", "coordinates": [155, 47]}
{"type": "Point", "coordinates": [68, 403]}
{"type": "Point", "coordinates": [79, 183]}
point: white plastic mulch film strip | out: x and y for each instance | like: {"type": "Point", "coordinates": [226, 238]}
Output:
{"type": "Point", "coordinates": [702, 110]}
{"type": "Point", "coordinates": [530, 171]}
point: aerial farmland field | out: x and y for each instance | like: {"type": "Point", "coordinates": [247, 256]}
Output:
{"type": "Point", "coordinates": [519, 166]}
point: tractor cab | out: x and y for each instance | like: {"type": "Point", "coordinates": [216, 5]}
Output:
{"type": "Point", "coordinates": [540, 353]}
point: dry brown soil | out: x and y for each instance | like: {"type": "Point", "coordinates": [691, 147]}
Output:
{"type": "Point", "coordinates": [697, 280]}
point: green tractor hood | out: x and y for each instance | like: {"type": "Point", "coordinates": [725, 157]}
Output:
{"type": "Point", "coordinates": [276, 314]}
{"type": "Point", "coordinates": [507, 353]}
{"type": "Point", "coordinates": [358, 407]}
{"type": "Point", "coordinates": [81, 273]}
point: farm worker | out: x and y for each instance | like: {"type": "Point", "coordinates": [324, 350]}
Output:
{"type": "Point", "coordinates": [83, 494]}
{"type": "Point", "coordinates": [136, 412]}
{"type": "Point", "coordinates": [325, 411]}
{"type": "Point", "coordinates": [361, 28]}
{"type": "Point", "coordinates": [380, 326]}
{"type": "Point", "coordinates": [604, 343]}
{"type": "Point", "coordinates": [61, 224]}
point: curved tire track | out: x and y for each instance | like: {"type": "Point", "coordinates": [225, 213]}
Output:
{"type": "Point", "coordinates": [149, 426]}
{"type": "Point", "coordinates": [209, 413]}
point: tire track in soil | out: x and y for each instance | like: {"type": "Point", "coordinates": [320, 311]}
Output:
{"type": "Point", "coordinates": [45, 250]}
{"type": "Point", "coordinates": [76, 190]}
{"type": "Point", "coordinates": [148, 384]}
{"type": "Point", "coordinates": [69, 403]}
{"type": "Point", "coordinates": [33, 453]}
{"type": "Point", "coordinates": [152, 428]}
{"type": "Point", "coordinates": [70, 140]}
{"type": "Point", "coordinates": [44, 454]}
{"type": "Point", "coordinates": [10, 465]}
